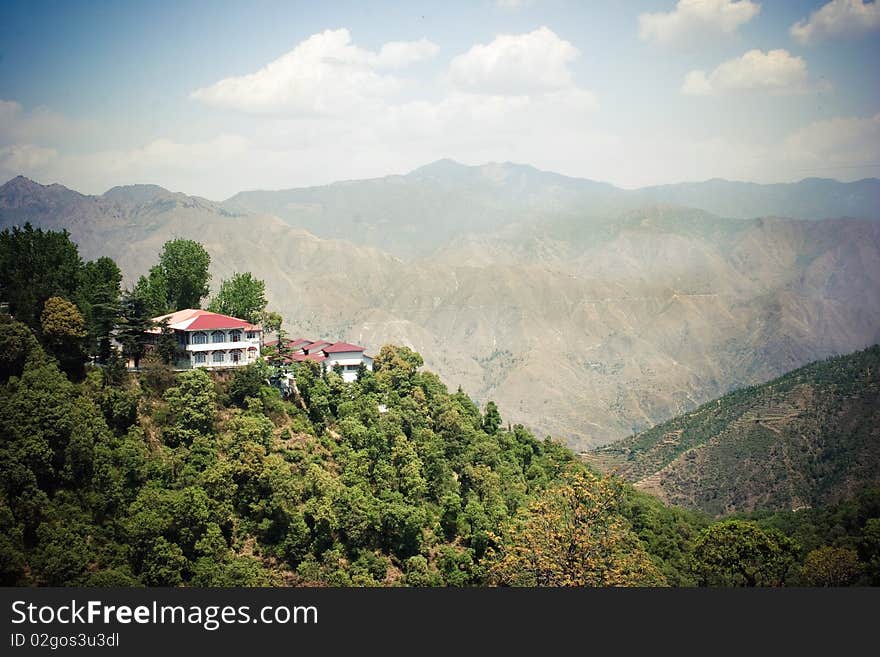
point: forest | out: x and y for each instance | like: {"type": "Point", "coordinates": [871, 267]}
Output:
{"type": "Point", "coordinates": [114, 477]}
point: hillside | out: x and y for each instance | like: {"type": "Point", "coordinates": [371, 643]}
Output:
{"type": "Point", "coordinates": [809, 438]}
{"type": "Point", "coordinates": [199, 479]}
{"type": "Point", "coordinates": [583, 326]}
{"type": "Point", "coordinates": [231, 478]}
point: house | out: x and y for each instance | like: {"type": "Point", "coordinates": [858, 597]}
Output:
{"type": "Point", "coordinates": [212, 340]}
{"type": "Point", "coordinates": [348, 357]}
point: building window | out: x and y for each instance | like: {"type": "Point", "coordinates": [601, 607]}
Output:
{"type": "Point", "coordinates": [199, 338]}
{"type": "Point", "coordinates": [218, 336]}
{"type": "Point", "coordinates": [251, 335]}
{"type": "Point", "coordinates": [235, 355]}
{"type": "Point", "coordinates": [235, 336]}
{"type": "Point", "coordinates": [218, 357]}
{"type": "Point", "coordinates": [199, 357]}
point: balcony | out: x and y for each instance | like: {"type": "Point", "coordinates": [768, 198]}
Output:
{"type": "Point", "coordinates": [223, 346]}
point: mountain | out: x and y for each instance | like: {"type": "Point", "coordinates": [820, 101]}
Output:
{"type": "Point", "coordinates": [811, 198]}
{"type": "Point", "coordinates": [587, 326]}
{"type": "Point", "coordinates": [416, 213]}
{"type": "Point", "coordinates": [809, 438]}
{"type": "Point", "coordinates": [413, 214]}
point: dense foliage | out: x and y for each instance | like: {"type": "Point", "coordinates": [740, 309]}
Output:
{"type": "Point", "coordinates": [109, 477]}
{"type": "Point", "coordinates": [36, 266]}
{"type": "Point", "coordinates": [242, 296]}
{"type": "Point", "coordinates": [215, 479]}
{"type": "Point", "coordinates": [179, 280]}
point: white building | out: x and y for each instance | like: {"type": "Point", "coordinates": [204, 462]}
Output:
{"type": "Point", "coordinates": [349, 357]}
{"type": "Point", "coordinates": [212, 340]}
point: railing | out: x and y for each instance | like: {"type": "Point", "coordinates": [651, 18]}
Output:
{"type": "Point", "coordinates": [223, 346]}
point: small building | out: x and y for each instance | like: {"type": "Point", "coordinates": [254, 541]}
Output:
{"type": "Point", "coordinates": [212, 340]}
{"type": "Point", "coordinates": [348, 357]}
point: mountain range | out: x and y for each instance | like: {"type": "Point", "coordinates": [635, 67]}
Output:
{"type": "Point", "coordinates": [585, 311]}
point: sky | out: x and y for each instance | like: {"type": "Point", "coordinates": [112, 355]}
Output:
{"type": "Point", "coordinates": [211, 98]}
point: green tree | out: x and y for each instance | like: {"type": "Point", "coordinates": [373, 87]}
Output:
{"type": "Point", "coordinates": [185, 265]}
{"type": "Point", "coordinates": [491, 419]}
{"type": "Point", "coordinates": [61, 321]}
{"type": "Point", "coordinates": [166, 344]}
{"type": "Point", "coordinates": [17, 342]}
{"type": "Point", "coordinates": [740, 553]}
{"type": "Point", "coordinates": [179, 280]}
{"type": "Point", "coordinates": [831, 566]}
{"type": "Point", "coordinates": [573, 535]}
{"type": "Point", "coordinates": [36, 265]}
{"type": "Point", "coordinates": [248, 382]}
{"type": "Point", "coordinates": [152, 289]}
{"type": "Point", "coordinates": [98, 298]}
{"type": "Point", "coordinates": [242, 296]}
{"type": "Point", "coordinates": [272, 324]}
{"type": "Point", "coordinates": [132, 327]}
{"type": "Point", "coordinates": [64, 333]}
{"type": "Point", "coordinates": [395, 367]}
{"type": "Point", "coordinates": [192, 406]}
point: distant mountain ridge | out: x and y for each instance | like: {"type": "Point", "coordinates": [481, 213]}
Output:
{"type": "Point", "coordinates": [584, 324]}
{"type": "Point", "coordinates": [808, 438]}
{"type": "Point", "coordinates": [454, 198]}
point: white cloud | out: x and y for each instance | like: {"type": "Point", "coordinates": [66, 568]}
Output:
{"type": "Point", "coordinates": [695, 22]}
{"type": "Point", "coordinates": [515, 64]}
{"type": "Point", "coordinates": [324, 75]}
{"type": "Point", "coordinates": [775, 71]}
{"type": "Point", "coordinates": [16, 124]}
{"type": "Point", "coordinates": [399, 54]}
{"type": "Point", "coordinates": [26, 159]}
{"type": "Point", "coordinates": [513, 4]}
{"type": "Point", "coordinates": [845, 144]}
{"type": "Point", "coordinates": [513, 98]}
{"type": "Point", "coordinates": [839, 19]}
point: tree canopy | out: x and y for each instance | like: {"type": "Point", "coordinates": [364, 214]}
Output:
{"type": "Point", "coordinates": [242, 296]}
{"type": "Point", "coordinates": [574, 535]}
{"type": "Point", "coordinates": [36, 265]}
{"type": "Point", "coordinates": [179, 280]}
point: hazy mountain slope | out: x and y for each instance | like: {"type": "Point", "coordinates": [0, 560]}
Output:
{"type": "Point", "coordinates": [584, 327]}
{"type": "Point", "coordinates": [811, 198]}
{"type": "Point", "coordinates": [808, 438]}
{"type": "Point", "coordinates": [415, 213]}
{"type": "Point", "coordinates": [420, 212]}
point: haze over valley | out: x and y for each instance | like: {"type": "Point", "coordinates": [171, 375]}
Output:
{"type": "Point", "coordinates": [584, 310]}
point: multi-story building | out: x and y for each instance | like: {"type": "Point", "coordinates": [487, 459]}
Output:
{"type": "Point", "coordinates": [212, 340]}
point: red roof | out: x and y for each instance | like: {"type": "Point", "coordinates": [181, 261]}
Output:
{"type": "Point", "coordinates": [294, 345]}
{"type": "Point", "coordinates": [210, 321]}
{"type": "Point", "coordinates": [317, 345]}
{"type": "Point", "coordinates": [338, 347]}
{"type": "Point", "coordinates": [315, 357]}
{"type": "Point", "coordinates": [194, 319]}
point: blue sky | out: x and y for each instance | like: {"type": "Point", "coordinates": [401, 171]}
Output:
{"type": "Point", "coordinates": [211, 98]}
